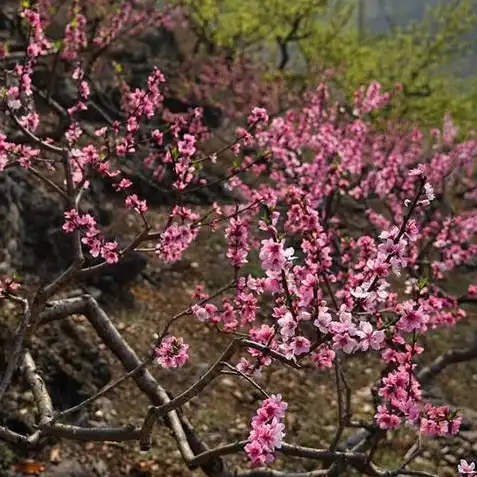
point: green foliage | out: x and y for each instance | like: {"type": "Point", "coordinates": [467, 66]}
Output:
{"type": "Point", "coordinates": [252, 23]}
{"type": "Point", "coordinates": [419, 56]}
{"type": "Point", "coordinates": [322, 34]}
{"type": "Point", "coordinates": [6, 456]}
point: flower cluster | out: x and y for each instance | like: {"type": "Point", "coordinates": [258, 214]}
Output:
{"type": "Point", "coordinates": [204, 313]}
{"type": "Point", "coordinates": [75, 37]}
{"type": "Point", "coordinates": [172, 352]}
{"type": "Point", "coordinates": [8, 285]}
{"type": "Point", "coordinates": [274, 256]}
{"type": "Point", "coordinates": [370, 99]}
{"type": "Point", "coordinates": [92, 237]}
{"type": "Point", "coordinates": [39, 43]}
{"type": "Point", "coordinates": [178, 236]}
{"type": "Point", "coordinates": [237, 236]}
{"type": "Point", "coordinates": [267, 431]}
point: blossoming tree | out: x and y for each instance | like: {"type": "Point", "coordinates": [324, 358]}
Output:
{"type": "Point", "coordinates": [326, 290]}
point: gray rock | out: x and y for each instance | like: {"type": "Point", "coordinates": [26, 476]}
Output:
{"type": "Point", "coordinates": [74, 468]}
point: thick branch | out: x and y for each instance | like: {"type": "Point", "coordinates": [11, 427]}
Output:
{"type": "Point", "coordinates": [146, 383]}
{"type": "Point", "coordinates": [101, 434]}
{"type": "Point", "coordinates": [60, 309]}
{"type": "Point", "coordinates": [10, 436]}
{"type": "Point", "coordinates": [278, 473]}
{"type": "Point", "coordinates": [155, 413]}
{"type": "Point", "coordinates": [40, 393]}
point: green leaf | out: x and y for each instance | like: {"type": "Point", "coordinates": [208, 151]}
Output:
{"type": "Point", "coordinates": [422, 282]}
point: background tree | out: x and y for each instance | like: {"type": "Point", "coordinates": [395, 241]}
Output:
{"type": "Point", "coordinates": [299, 40]}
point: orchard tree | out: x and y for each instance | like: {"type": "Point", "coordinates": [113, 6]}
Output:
{"type": "Point", "coordinates": [326, 290]}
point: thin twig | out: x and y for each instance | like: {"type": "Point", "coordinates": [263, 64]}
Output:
{"type": "Point", "coordinates": [101, 392]}
{"type": "Point", "coordinates": [341, 409]}
{"type": "Point", "coordinates": [236, 372]}
{"type": "Point", "coordinates": [32, 170]}
{"type": "Point", "coordinates": [155, 413]}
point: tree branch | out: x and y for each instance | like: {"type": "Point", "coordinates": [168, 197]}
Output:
{"type": "Point", "coordinates": [278, 473]}
{"type": "Point", "coordinates": [450, 357]}
{"type": "Point", "coordinates": [146, 383]}
{"type": "Point", "coordinates": [13, 437]}
{"type": "Point", "coordinates": [101, 434]}
{"type": "Point", "coordinates": [37, 385]}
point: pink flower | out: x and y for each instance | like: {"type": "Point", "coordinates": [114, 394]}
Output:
{"type": "Point", "coordinates": [372, 98]}
{"type": "Point", "coordinates": [370, 338]}
{"type": "Point", "coordinates": [345, 342]}
{"type": "Point", "coordinates": [257, 453]}
{"type": "Point", "coordinates": [132, 124]}
{"type": "Point", "coordinates": [84, 88]}
{"type": "Point", "coordinates": [468, 470]}
{"type": "Point", "coordinates": [272, 407]}
{"type": "Point", "coordinates": [274, 256]}
{"type": "Point", "coordinates": [361, 291]}
{"type": "Point", "coordinates": [412, 318]}
{"type": "Point", "coordinates": [158, 136]}
{"type": "Point", "coordinates": [412, 230]}
{"type": "Point", "coordinates": [258, 115]}
{"type": "Point", "coordinates": [323, 357]}
{"type": "Point", "coordinates": [418, 171]}
{"type": "Point", "coordinates": [245, 366]}
{"type": "Point", "coordinates": [123, 184]}
{"type": "Point", "coordinates": [238, 239]}
{"type": "Point", "coordinates": [429, 193]}
{"type": "Point", "coordinates": [94, 244]}
{"type": "Point", "coordinates": [264, 334]}
{"type": "Point", "coordinates": [299, 345]}
{"type": "Point", "coordinates": [8, 285]}
{"type": "Point", "coordinates": [187, 145]}
{"type": "Point", "coordinates": [204, 313]}
{"type": "Point", "coordinates": [101, 131]}
{"type": "Point", "coordinates": [386, 420]}
{"type": "Point", "coordinates": [174, 241]}
{"type": "Point", "coordinates": [267, 431]}
{"type": "Point", "coordinates": [287, 325]}
{"type": "Point", "coordinates": [110, 252]}
{"type": "Point", "coordinates": [71, 223]}
{"type": "Point", "coordinates": [172, 352]}
{"type": "Point", "coordinates": [430, 427]}
{"type": "Point", "coordinates": [323, 320]}
{"type": "Point", "coordinates": [133, 202]}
